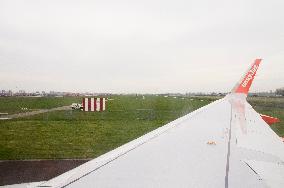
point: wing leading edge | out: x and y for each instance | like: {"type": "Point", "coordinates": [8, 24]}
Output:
{"type": "Point", "coordinates": [224, 144]}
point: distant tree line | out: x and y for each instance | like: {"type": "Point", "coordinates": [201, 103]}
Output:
{"type": "Point", "coordinates": [280, 91]}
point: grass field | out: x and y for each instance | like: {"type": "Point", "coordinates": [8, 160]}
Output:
{"type": "Point", "coordinates": [76, 134]}
{"type": "Point", "coordinates": [14, 105]}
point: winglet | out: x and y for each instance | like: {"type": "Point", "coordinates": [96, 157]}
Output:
{"type": "Point", "coordinates": [244, 85]}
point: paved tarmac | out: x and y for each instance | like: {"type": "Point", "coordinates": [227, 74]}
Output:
{"type": "Point", "coordinates": [16, 172]}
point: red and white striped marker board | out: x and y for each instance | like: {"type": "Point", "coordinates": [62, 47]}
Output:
{"type": "Point", "coordinates": [94, 104]}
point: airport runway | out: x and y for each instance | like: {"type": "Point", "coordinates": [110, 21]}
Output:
{"type": "Point", "coordinates": [24, 114]}
{"type": "Point", "coordinates": [16, 172]}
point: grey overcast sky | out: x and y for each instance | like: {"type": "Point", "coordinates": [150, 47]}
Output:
{"type": "Point", "coordinates": [149, 46]}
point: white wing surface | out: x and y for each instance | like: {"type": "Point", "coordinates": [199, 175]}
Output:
{"type": "Point", "coordinates": [224, 144]}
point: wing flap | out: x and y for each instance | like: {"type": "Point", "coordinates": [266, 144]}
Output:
{"type": "Point", "coordinates": [253, 133]}
{"type": "Point", "coordinates": [271, 173]}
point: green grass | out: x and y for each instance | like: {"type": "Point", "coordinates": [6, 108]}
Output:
{"type": "Point", "coordinates": [77, 134]}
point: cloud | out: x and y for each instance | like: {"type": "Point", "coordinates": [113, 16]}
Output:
{"type": "Point", "coordinates": [139, 46]}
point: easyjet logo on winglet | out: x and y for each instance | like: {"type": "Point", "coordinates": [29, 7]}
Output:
{"type": "Point", "coordinates": [250, 75]}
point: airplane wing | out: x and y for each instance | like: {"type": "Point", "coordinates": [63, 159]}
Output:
{"type": "Point", "coordinates": [224, 144]}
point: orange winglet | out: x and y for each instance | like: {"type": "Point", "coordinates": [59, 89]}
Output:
{"type": "Point", "coordinates": [244, 85]}
{"type": "Point", "coordinates": [269, 120]}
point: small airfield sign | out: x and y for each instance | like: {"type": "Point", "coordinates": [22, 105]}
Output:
{"type": "Point", "coordinates": [94, 104]}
